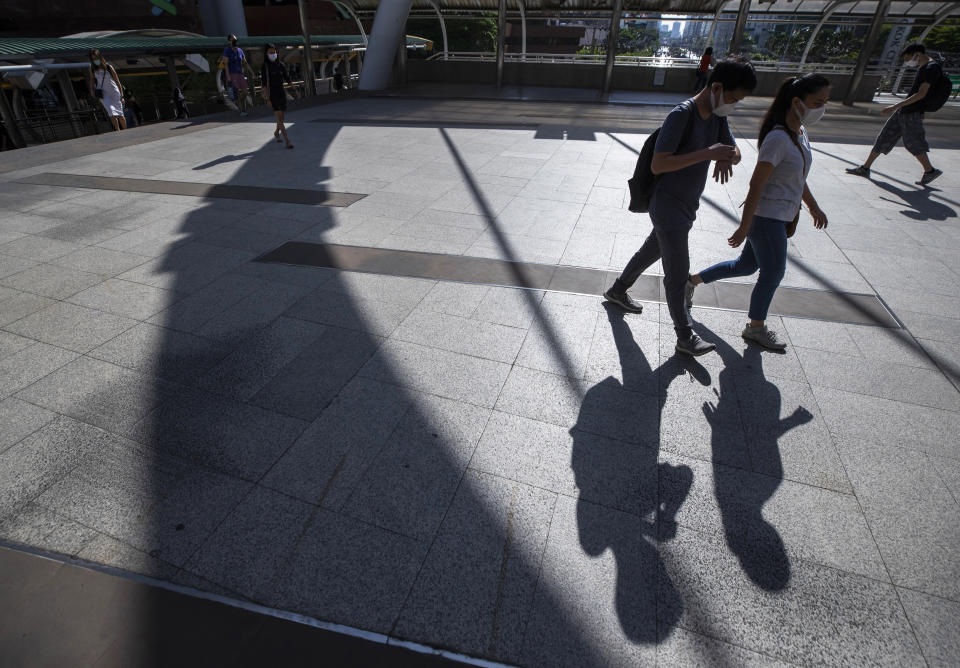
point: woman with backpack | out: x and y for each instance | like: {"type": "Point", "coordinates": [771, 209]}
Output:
{"type": "Point", "coordinates": [105, 86]}
{"type": "Point", "coordinates": [273, 74]}
{"type": "Point", "coordinates": [772, 208]}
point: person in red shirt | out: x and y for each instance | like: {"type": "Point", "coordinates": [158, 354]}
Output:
{"type": "Point", "coordinates": [706, 60]}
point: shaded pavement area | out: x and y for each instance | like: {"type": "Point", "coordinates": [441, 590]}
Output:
{"type": "Point", "coordinates": [517, 475]}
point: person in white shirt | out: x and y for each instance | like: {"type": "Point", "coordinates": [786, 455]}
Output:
{"type": "Point", "coordinates": [772, 207]}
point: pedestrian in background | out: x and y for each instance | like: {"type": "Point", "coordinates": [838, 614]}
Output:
{"type": "Point", "coordinates": [180, 104]}
{"type": "Point", "coordinates": [706, 60]}
{"type": "Point", "coordinates": [906, 117]}
{"type": "Point", "coordinates": [105, 86]}
{"type": "Point", "coordinates": [274, 74]}
{"type": "Point", "coordinates": [772, 208]}
{"type": "Point", "coordinates": [236, 62]}
{"type": "Point", "coordinates": [132, 106]}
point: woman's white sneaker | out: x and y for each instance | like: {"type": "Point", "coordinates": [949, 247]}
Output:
{"type": "Point", "coordinates": [765, 337]}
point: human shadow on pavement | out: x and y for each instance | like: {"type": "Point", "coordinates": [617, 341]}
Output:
{"type": "Point", "coordinates": [922, 207]}
{"type": "Point", "coordinates": [309, 462]}
{"type": "Point", "coordinates": [628, 501]}
{"type": "Point", "coordinates": [746, 394]}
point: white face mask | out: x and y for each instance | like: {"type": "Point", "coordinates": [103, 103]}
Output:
{"type": "Point", "coordinates": [723, 108]}
{"type": "Point", "coordinates": [913, 63]}
{"type": "Point", "coordinates": [272, 56]}
{"type": "Point", "coordinates": [810, 116]}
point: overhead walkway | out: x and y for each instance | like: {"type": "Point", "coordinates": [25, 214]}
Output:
{"type": "Point", "coordinates": [389, 430]}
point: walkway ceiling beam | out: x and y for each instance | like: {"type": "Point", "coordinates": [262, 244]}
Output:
{"type": "Point", "coordinates": [443, 27]}
{"type": "Point", "coordinates": [347, 8]}
{"type": "Point", "coordinates": [501, 40]}
{"type": "Point", "coordinates": [612, 39]}
{"type": "Point", "coordinates": [741, 23]}
{"type": "Point", "coordinates": [827, 13]}
{"type": "Point", "coordinates": [309, 80]}
{"type": "Point", "coordinates": [942, 15]}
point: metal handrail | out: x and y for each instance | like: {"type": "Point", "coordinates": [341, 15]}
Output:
{"type": "Point", "coordinates": [669, 62]}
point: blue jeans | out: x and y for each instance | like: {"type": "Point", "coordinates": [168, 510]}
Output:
{"type": "Point", "coordinates": [766, 249]}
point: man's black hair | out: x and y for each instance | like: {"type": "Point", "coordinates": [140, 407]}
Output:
{"type": "Point", "coordinates": [912, 49]}
{"type": "Point", "coordinates": [734, 73]}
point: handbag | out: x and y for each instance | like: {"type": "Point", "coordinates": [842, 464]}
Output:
{"type": "Point", "coordinates": [98, 91]}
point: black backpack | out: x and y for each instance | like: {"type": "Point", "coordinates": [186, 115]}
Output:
{"type": "Point", "coordinates": [644, 180]}
{"type": "Point", "coordinates": [939, 93]}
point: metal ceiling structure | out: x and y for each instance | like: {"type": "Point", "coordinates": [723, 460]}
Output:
{"type": "Point", "coordinates": [561, 8]}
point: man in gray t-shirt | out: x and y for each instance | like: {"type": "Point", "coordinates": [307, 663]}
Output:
{"type": "Point", "coordinates": [692, 135]}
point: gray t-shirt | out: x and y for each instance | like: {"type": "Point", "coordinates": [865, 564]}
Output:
{"type": "Point", "coordinates": [781, 194]}
{"type": "Point", "coordinates": [676, 196]}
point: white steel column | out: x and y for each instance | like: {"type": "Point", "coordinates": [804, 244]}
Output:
{"type": "Point", "coordinates": [865, 50]}
{"type": "Point", "coordinates": [523, 30]}
{"type": "Point", "coordinates": [443, 28]}
{"type": "Point", "coordinates": [388, 29]}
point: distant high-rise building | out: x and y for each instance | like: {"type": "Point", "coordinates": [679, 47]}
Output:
{"type": "Point", "coordinates": [675, 32]}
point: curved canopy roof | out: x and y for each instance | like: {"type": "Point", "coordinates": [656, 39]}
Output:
{"type": "Point", "coordinates": [901, 8]}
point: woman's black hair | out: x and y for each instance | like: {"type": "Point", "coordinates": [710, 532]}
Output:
{"type": "Point", "coordinates": [268, 46]}
{"type": "Point", "coordinates": [708, 51]}
{"type": "Point", "coordinates": [790, 88]}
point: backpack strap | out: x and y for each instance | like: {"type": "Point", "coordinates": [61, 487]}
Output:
{"type": "Point", "coordinates": [688, 128]}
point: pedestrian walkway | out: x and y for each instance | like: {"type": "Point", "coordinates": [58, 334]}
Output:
{"type": "Point", "coordinates": [513, 472]}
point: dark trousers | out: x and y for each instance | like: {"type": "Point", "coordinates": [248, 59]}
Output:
{"type": "Point", "coordinates": [669, 245]}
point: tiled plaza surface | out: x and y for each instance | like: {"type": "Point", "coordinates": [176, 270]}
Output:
{"type": "Point", "coordinates": [517, 475]}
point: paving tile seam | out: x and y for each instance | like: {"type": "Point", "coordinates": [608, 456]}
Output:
{"type": "Point", "coordinates": [731, 643]}
{"type": "Point", "coordinates": [239, 602]}
{"type": "Point", "coordinates": [436, 533]}
{"type": "Point", "coordinates": [862, 357]}
{"type": "Point", "coordinates": [886, 568]}
{"type": "Point", "coordinates": [903, 399]}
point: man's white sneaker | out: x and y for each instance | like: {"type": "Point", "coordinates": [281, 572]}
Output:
{"type": "Point", "coordinates": [765, 337]}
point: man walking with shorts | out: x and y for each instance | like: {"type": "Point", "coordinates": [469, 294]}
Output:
{"type": "Point", "coordinates": [906, 117]}
{"type": "Point", "coordinates": [236, 62]}
{"type": "Point", "coordinates": [693, 134]}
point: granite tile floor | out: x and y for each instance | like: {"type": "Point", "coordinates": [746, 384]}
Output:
{"type": "Point", "coordinates": [522, 476]}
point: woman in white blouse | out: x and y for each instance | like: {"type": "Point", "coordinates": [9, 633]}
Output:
{"type": "Point", "coordinates": [105, 86]}
{"type": "Point", "coordinates": [772, 207]}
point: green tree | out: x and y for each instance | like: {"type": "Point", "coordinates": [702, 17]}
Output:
{"type": "Point", "coordinates": [633, 41]}
{"type": "Point", "coordinates": [945, 37]}
{"type": "Point", "coordinates": [462, 34]}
